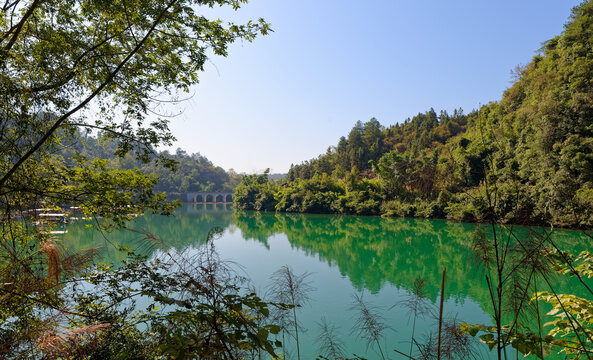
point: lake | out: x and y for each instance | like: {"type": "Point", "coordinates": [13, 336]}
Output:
{"type": "Point", "coordinates": [345, 255]}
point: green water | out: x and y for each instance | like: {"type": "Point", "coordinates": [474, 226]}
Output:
{"type": "Point", "coordinates": [345, 255]}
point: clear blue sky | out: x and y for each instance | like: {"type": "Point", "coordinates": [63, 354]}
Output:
{"type": "Point", "coordinates": [287, 96]}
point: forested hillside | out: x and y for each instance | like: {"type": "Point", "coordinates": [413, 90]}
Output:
{"type": "Point", "coordinates": [193, 172]}
{"type": "Point", "coordinates": [528, 156]}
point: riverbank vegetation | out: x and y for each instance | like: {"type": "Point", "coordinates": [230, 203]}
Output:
{"type": "Point", "coordinates": [69, 67]}
{"type": "Point", "coordinates": [526, 159]}
{"type": "Point", "coordinates": [536, 143]}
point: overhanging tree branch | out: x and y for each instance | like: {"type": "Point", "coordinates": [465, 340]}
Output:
{"type": "Point", "coordinates": [107, 81]}
{"type": "Point", "coordinates": [19, 27]}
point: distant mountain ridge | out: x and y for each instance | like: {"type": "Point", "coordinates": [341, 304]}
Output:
{"type": "Point", "coordinates": [193, 172]}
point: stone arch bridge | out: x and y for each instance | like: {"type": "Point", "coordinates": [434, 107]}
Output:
{"type": "Point", "coordinates": [214, 197]}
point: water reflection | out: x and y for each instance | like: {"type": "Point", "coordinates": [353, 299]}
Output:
{"type": "Point", "coordinates": [370, 252]}
{"type": "Point", "coordinates": [373, 251]}
{"type": "Point", "coordinates": [203, 207]}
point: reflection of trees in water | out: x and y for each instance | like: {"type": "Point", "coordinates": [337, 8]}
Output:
{"type": "Point", "coordinates": [372, 251]}
{"type": "Point", "coordinates": [189, 227]}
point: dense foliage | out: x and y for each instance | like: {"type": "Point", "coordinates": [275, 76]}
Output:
{"type": "Point", "coordinates": [89, 65]}
{"type": "Point", "coordinates": [106, 65]}
{"type": "Point", "coordinates": [192, 172]}
{"type": "Point", "coordinates": [535, 145]}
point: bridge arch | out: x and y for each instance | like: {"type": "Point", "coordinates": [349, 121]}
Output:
{"type": "Point", "coordinates": [217, 197]}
